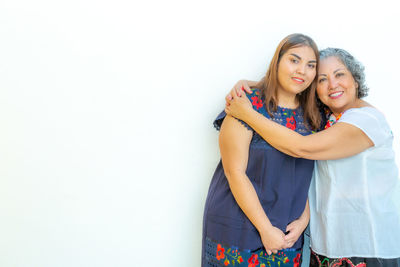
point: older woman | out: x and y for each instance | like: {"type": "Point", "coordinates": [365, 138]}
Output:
{"type": "Point", "coordinates": [354, 196]}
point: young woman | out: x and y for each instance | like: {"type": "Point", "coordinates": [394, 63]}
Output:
{"type": "Point", "coordinates": [355, 192]}
{"type": "Point", "coordinates": [256, 204]}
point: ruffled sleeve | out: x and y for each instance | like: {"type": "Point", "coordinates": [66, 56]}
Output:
{"type": "Point", "coordinates": [220, 118]}
{"type": "Point", "coordinates": [370, 121]}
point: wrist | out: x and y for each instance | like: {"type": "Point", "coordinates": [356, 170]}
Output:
{"type": "Point", "coordinates": [265, 227]}
{"type": "Point", "coordinates": [304, 220]}
{"type": "Point", "coordinates": [251, 83]}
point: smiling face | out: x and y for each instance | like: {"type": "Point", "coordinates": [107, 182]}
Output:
{"type": "Point", "coordinates": [296, 71]}
{"type": "Point", "coordinates": [336, 86]}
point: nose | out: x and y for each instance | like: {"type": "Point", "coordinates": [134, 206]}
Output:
{"type": "Point", "coordinates": [301, 69]}
{"type": "Point", "coordinates": [332, 83]}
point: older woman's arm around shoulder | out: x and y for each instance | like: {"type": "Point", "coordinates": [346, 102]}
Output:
{"type": "Point", "coordinates": [234, 143]}
{"type": "Point", "coordinates": [339, 141]}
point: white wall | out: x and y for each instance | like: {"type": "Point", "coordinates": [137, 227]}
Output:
{"type": "Point", "coordinates": [106, 108]}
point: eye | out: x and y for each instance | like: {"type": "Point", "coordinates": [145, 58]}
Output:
{"type": "Point", "coordinates": [311, 66]}
{"type": "Point", "coordinates": [294, 60]}
{"type": "Point", "coordinates": [339, 74]}
{"type": "Point", "coordinates": [321, 80]}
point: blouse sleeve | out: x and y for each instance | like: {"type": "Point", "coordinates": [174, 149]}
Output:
{"type": "Point", "coordinates": [370, 121]}
{"type": "Point", "coordinates": [220, 118]}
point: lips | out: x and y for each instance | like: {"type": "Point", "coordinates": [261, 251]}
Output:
{"type": "Point", "coordinates": [336, 94]}
{"type": "Point", "coordinates": [297, 80]}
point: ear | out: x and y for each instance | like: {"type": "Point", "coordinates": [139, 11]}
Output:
{"type": "Point", "coordinates": [357, 89]}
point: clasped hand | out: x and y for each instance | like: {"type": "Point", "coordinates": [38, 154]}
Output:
{"type": "Point", "coordinates": [274, 239]}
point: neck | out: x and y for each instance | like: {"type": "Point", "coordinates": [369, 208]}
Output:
{"type": "Point", "coordinates": [287, 100]}
{"type": "Point", "coordinates": [356, 104]}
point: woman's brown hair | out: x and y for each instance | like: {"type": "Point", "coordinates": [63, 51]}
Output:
{"type": "Point", "coordinates": [269, 84]}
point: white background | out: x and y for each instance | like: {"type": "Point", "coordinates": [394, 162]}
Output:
{"type": "Point", "coordinates": [106, 108]}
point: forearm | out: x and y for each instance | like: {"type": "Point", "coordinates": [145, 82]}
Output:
{"type": "Point", "coordinates": [247, 199]}
{"type": "Point", "coordinates": [283, 139]}
{"type": "Point", "coordinates": [305, 216]}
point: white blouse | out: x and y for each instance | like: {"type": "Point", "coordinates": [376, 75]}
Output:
{"type": "Point", "coordinates": [355, 201]}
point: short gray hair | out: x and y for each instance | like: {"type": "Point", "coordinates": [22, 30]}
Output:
{"type": "Point", "coordinates": [353, 65]}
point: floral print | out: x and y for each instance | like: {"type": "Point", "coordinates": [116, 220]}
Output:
{"type": "Point", "coordinates": [229, 256]}
{"type": "Point", "coordinates": [257, 102]}
{"type": "Point", "coordinates": [253, 260]}
{"type": "Point", "coordinates": [322, 261]}
{"type": "Point", "coordinates": [296, 261]}
{"type": "Point", "coordinates": [290, 121]}
{"type": "Point", "coordinates": [288, 114]}
{"type": "Point", "coordinates": [331, 119]}
{"type": "Point", "coordinates": [220, 252]}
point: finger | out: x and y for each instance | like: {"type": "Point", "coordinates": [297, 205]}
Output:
{"type": "Point", "coordinates": [269, 252]}
{"type": "Point", "coordinates": [289, 236]}
{"type": "Point", "coordinates": [247, 89]}
{"type": "Point", "coordinates": [239, 91]}
{"type": "Point", "coordinates": [289, 227]}
{"type": "Point", "coordinates": [274, 251]}
{"type": "Point", "coordinates": [233, 94]}
{"type": "Point", "coordinates": [228, 98]}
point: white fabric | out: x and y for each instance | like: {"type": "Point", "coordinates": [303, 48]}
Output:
{"type": "Point", "coordinates": [355, 201]}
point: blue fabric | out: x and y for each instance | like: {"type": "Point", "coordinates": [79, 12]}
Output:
{"type": "Point", "coordinates": [281, 183]}
{"type": "Point", "coordinates": [305, 262]}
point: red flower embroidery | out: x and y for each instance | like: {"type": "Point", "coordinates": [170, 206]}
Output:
{"type": "Point", "coordinates": [257, 102]}
{"type": "Point", "coordinates": [349, 262]}
{"type": "Point", "coordinates": [220, 252]}
{"type": "Point", "coordinates": [291, 123]}
{"type": "Point", "coordinates": [253, 261]}
{"type": "Point", "coordinates": [240, 259]}
{"type": "Point", "coordinates": [286, 260]}
{"type": "Point", "coordinates": [297, 260]}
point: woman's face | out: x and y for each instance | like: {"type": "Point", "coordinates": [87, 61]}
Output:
{"type": "Point", "coordinates": [296, 70]}
{"type": "Point", "coordinates": [336, 86]}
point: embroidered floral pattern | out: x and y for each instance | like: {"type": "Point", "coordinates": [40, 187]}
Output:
{"type": "Point", "coordinates": [253, 260]}
{"type": "Point", "coordinates": [220, 252]}
{"type": "Point", "coordinates": [290, 120]}
{"type": "Point", "coordinates": [233, 257]}
{"type": "Point", "coordinates": [331, 119]}
{"type": "Point", "coordinates": [328, 262]}
{"type": "Point", "coordinates": [288, 114]}
{"type": "Point", "coordinates": [296, 261]}
{"type": "Point", "coordinates": [257, 102]}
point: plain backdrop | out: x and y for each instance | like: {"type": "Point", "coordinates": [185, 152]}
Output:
{"type": "Point", "coordinates": [106, 140]}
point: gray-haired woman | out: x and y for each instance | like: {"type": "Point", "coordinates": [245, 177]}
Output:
{"type": "Point", "coordinates": [354, 196]}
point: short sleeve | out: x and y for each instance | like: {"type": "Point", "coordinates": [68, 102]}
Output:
{"type": "Point", "coordinates": [220, 118]}
{"type": "Point", "coordinates": [370, 121]}
{"type": "Point", "coordinates": [256, 102]}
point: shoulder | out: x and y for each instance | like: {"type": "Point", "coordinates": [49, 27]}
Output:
{"type": "Point", "coordinates": [367, 113]}
{"type": "Point", "coordinates": [371, 121]}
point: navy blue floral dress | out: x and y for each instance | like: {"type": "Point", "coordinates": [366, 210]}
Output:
{"type": "Point", "coordinates": [281, 183]}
